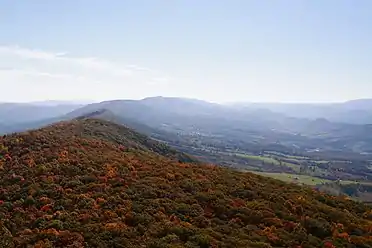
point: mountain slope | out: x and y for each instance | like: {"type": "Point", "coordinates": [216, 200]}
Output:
{"type": "Point", "coordinates": [240, 125]}
{"type": "Point", "coordinates": [237, 125]}
{"type": "Point", "coordinates": [101, 129]}
{"type": "Point", "coordinates": [231, 136]}
{"type": "Point", "coordinates": [90, 183]}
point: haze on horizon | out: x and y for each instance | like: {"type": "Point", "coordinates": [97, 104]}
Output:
{"type": "Point", "coordinates": [224, 51]}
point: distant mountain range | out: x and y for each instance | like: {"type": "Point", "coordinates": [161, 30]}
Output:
{"type": "Point", "coordinates": [355, 111]}
{"type": "Point", "coordinates": [331, 127]}
{"type": "Point", "coordinates": [243, 137]}
{"type": "Point", "coordinates": [15, 113]}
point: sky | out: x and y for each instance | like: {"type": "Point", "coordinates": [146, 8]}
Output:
{"type": "Point", "coordinates": [219, 51]}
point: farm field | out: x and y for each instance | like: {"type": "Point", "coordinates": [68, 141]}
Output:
{"type": "Point", "coordinates": [294, 178]}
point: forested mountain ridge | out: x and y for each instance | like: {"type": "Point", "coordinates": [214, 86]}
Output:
{"type": "Point", "coordinates": [248, 139]}
{"type": "Point", "coordinates": [251, 139]}
{"type": "Point", "coordinates": [232, 125]}
{"type": "Point", "coordinates": [237, 124]}
{"type": "Point", "coordinates": [91, 183]}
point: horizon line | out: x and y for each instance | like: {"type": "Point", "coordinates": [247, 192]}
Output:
{"type": "Point", "coordinates": [89, 101]}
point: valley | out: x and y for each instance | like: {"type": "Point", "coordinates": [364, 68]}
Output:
{"type": "Point", "coordinates": [93, 183]}
{"type": "Point", "coordinates": [303, 151]}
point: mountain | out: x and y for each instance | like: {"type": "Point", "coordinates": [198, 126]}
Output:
{"type": "Point", "coordinates": [185, 117]}
{"type": "Point", "coordinates": [157, 111]}
{"type": "Point", "coordinates": [92, 183]}
{"type": "Point", "coordinates": [353, 112]}
{"type": "Point", "coordinates": [246, 138]}
{"type": "Point", "coordinates": [16, 113]}
{"type": "Point", "coordinates": [126, 136]}
{"type": "Point", "coordinates": [361, 104]}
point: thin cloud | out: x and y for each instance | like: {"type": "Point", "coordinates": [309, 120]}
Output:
{"type": "Point", "coordinates": [28, 53]}
{"type": "Point", "coordinates": [56, 73]}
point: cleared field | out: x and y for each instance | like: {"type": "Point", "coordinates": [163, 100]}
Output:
{"type": "Point", "coordinates": [269, 160]}
{"type": "Point", "coordinates": [320, 161]}
{"type": "Point", "coordinates": [265, 159]}
{"type": "Point", "coordinates": [346, 182]}
{"type": "Point", "coordinates": [293, 166]}
{"type": "Point", "coordinates": [294, 178]}
{"type": "Point", "coordinates": [299, 158]}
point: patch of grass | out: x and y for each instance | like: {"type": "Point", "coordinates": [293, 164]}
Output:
{"type": "Point", "coordinates": [294, 178]}
{"type": "Point", "coordinates": [287, 156]}
{"type": "Point", "coordinates": [269, 160]}
{"type": "Point", "coordinates": [290, 165]}
{"type": "Point", "coordinates": [320, 161]}
{"type": "Point", "coordinates": [346, 182]}
{"type": "Point", "coordinates": [292, 160]}
{"type": "Point", "coordinates": [265, 159]}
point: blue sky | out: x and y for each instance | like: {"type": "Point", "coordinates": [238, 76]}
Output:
{"type": "Point", "coordinates": [248, 50]}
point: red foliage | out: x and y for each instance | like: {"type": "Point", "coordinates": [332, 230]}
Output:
{"type": "Point", "coordinates": [237, 203]}
{"type": "Point", "coordinates": [328, 244]}
{"type": "Point", "coordinates": [7, 157]}
{"type": "Point", "coordinates": [46, 208]}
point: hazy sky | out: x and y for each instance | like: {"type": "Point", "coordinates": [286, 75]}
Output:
{"type": "Point", "coordinates": [221, 50]}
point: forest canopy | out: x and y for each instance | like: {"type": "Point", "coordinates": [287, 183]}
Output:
{"type": "Point", "coordinates": [92, 183]}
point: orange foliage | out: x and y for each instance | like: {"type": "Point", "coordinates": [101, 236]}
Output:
{"type": "Point", "coordinates": [50, 231]}
{"type": "Point", "coordinates": [104, 185]}
{"type": "Point", "coordinates": [46, 208]}
{"type": "Point", "coordinates": [115, 226]}
{"type": "Point", "coordinates": [111, 171]}
{"type": "Point", "coordinates": [237, 203]}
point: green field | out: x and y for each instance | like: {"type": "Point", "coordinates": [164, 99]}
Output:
{"type": "Point", "coordinates": [294, 178]}
{"type": "Point", "coordinates": [269, 160]}
{"type": "Point", "coordinates": [346, 182]}
{"type": "Point", "coordinates": [320, 161]}
{"type": "Point", "coordinates": [265, 159]}
{"type": "Point", "coordinates": [295, 163]}
{"type": "Point", "coordinates": [287, 156]}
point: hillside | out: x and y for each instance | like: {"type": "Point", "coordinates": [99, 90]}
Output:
{"type": "Point", "coordinates": [91, 183]}
{"type": "Point", "coordinates": [250, 139]}
{"type": "Point", "coordinates": [238, 125]}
